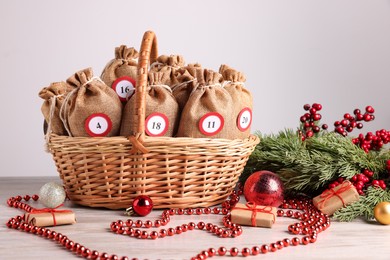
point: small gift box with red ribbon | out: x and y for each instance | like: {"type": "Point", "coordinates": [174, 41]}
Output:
{"type": "Point", "coordinates": [50, 217]}
{"type": "Point", "coordinates": [250, 214]}
{"type": "Point", "coordinates": [333, 199]}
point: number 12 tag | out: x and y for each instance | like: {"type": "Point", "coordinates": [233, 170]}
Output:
{"type": "Point", "coordinates": [211, 123]}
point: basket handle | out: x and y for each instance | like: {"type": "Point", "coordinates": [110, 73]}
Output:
{"type": "Point", "coordinates": [148, 55]}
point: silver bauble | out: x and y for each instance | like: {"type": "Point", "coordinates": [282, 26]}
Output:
{"type": "Point", "coordinates": [52, 195]}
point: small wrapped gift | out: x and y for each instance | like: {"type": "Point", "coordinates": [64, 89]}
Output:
{"type": "Point", "coordinates": [50, 217]}
{"type": "Point", "coordinates": [254, 215]}
{"type": "Point", "coordinates": [333, 199]}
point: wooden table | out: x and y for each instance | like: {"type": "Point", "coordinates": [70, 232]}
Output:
{"type": "Point", "coordinates": [355, 240]}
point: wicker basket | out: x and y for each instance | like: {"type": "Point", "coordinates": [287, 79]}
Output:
{"type": "Point", "coordinates": [175, 172]}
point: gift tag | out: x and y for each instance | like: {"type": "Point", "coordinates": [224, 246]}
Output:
{"type": "Point", "coordinates": [98, 124]}
{"type": "Point", "coordinates": [124, 87]}
{"type": "Point", "coordinates": [211, 123]}
{"type": "Point", "coordinates": [244, 119]}
{"type": "Point", "coordinates": [156, 124]}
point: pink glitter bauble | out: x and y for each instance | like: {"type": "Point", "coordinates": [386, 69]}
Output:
{"type": "Point", "coordinates": [264, 188]}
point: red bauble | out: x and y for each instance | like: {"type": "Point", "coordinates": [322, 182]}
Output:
{"type": "Point", "coordinates": [264, 188]}
{"type": "Point", "coordinates": [142, 205]}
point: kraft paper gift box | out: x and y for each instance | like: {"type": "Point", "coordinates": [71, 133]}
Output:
{"type": "Point", "coordinates": [253, 215]}
{"type": "Point", "coordinates": [46, 218]}
{"type": "Point", "coordinates": [333, 199]}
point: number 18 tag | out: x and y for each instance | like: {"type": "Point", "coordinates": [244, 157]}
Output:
{"type": "Point", "coordinates": [156, 124]}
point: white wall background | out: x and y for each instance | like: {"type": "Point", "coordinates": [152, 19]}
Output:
{"type": "Point", "coordinates": [336, 53]}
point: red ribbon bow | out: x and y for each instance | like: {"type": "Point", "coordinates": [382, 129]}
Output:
{"type": "Point", "coordinates": [51, 211]}
{"type": "Point", "coordinates": [327, 194]}
{"type": "Point", "coordinates": [254, 208]}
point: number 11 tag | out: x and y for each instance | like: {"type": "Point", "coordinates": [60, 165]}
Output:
{"type": "Point", "coordinates": [211, 123]}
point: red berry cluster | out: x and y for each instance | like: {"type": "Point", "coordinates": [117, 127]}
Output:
{"type": "Point", "coordinates": [349, 122]}
{"type": "Point", "coordinates": [388, 166]}
{"type": "Point", "coordinates": [361, 181]}
{"type": "Point", "coordinates": [371, 141]}
{"type": "Point", "coordinates": [309, 121]}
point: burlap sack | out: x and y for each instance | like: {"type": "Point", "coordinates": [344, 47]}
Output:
{"type": "Point", "coordinates": [168, 64]}
{"type": "Point", "coordinates": [234, 83]}
{"type": "Point", "coordinates": [161, 111]}
{"type": "Point", "coordinates": [187, 82]}
{"type": "Point", "coordinates": [53, 97]}
{"type": "Point", "coordinates": [208, 109]}
{"type": "Point", "coordinates": [121, 73]}
{"type": "Point", "coordinates": [91, 108]}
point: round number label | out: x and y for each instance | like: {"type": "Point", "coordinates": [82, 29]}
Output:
{"type": "Point", "coordinates": [98, 124]}
{"type": "Point", "coordinates": [211, 123]}
{"type": "Point", "coordinates": [244, 119]}
{"type": "Point", "coordinates": [156, 124]}
{"type": "Point", "coordinates": [124, 87]}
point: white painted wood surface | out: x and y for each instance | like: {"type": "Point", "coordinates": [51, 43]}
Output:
{"type": "Point", "coordinates": [355, 240]}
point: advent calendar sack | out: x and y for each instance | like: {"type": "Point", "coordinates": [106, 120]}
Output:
{"type": "Point", "coordinates": [208, 109]}
{"type": "Point", "coordinates": [91, 108]}
{"type": "Point", "coordinates": [168, 64]}
{"type": "Point", "coordinates": [187, 82]}
{"type": "Point", "coordinates": [161, 111]}
{"type": "Point", "coordinates": [242, 101]}
{"type": "Point", "coordinates": [121, 73]}
{"type": "Point", "coordinates": [54, 96]}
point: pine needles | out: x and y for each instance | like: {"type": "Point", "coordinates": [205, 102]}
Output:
{"type": "Point", "coordinates": [309, 166]}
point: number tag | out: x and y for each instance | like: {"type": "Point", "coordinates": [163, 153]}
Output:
{"type": "Point", "coordinates": [211, 123]}
{"type": "Point", "coordinates": [98, 124]}
{"type": "Point", "coordinates": [156, 124]}
{"type": "Point", "coordinates": [124, 87]}
{"type": "Point", "coordinates": [244, 119]}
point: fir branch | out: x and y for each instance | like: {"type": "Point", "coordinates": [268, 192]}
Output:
{"type": "Point", "coordinates": [364, 206]}
{"type": "Point", "coordinates": [308, 166]}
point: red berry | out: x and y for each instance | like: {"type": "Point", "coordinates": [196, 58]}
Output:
{"type": "Point", "coordinates": [306, 107]}
{"type": "Point", "coordinates": [370, 109]}
{"type": "Point", "coordinates": [359, 117]}
{"type": "Point", "coordinates": [367, 117]}
{"type": "Point", "coordinates": [324, 126]}
{"type": "Point", "coordinates": [316, 117]}
{"type": "Point", "coordinates": [313, 111]}
{"type": "Point", "coordinates": [317, 106]}
{"type": "Point", "coordinates": [359, 125]}
{"type": "Point", "coordinates": [309, 133]}
{"type": "Point", "coordinates": [316, 129]}
{"type": "Point", "coordinates": [303, 119]}
{"type": "Point", "coordinates": [357, 111]}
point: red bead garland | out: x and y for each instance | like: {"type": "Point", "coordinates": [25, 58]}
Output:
{"type": "Point", "coordinates": [311, 223]}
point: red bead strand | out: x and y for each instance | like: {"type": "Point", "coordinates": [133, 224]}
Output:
{"type": "Point", "coordinates": [311, 223]}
